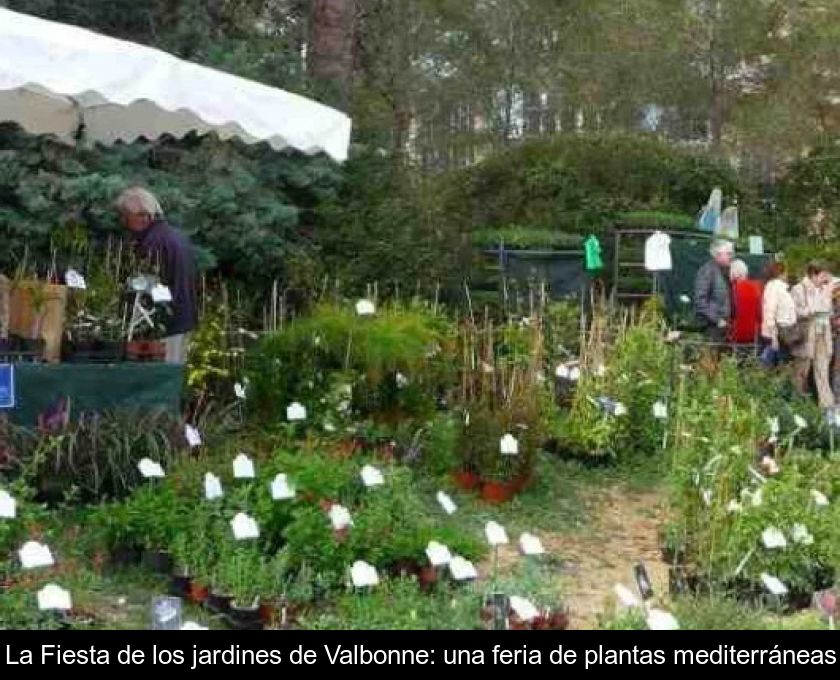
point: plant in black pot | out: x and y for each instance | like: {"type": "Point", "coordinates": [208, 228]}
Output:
{"type": "Point", "coordinates": [241, 573]}
{"type": "Point", "coordinates": [156, 516]}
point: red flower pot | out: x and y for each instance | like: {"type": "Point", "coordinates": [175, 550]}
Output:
{"type": "Point", "coordinates": [466, 480]}
{"type": "Point", "coordinates": [198, 592]}
{"type": "Point", "coordinates": [497, 492]}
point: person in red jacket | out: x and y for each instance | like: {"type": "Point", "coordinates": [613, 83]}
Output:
{"type": "Point", "coordinates": [746, 305]}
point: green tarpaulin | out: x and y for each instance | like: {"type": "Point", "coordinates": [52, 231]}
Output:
{"type": "Point", "coordinates": [96, 387]}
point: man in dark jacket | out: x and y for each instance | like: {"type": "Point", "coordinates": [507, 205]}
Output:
{"type": "Point", "coordinates": [712, 293]}
{"type": "Point", "coordinates": [172, 251]}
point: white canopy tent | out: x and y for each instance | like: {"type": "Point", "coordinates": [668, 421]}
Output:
{"type": "Point", "coordinates": [55, 78]}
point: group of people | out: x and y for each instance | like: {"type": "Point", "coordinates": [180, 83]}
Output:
{"type": "Point", "coordinates": [797, 324]}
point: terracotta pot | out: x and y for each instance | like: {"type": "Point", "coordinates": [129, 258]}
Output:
{"type": "Point", "coordinates": [268, 613]}
{"type": "Point", "coordinates": [467, 480]}
{"type": "Point", "coordinates": [497, 492]}
{"type": "Point", "coordinates": [145, 350]}
{"type": "Point", "coordinates": [428, 577]}
{"type": "Point", "coordinates": [198, 592]}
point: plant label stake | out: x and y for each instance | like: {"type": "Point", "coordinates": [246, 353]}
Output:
{"type": "Point", "coordinates": [166, 613]}
{"type": "Point", "coordinates": [446, 503]}
{"type": "Point", "coordinates": [53, 597]}
{"type": "Point", "coordinates": [643, 582]}
{"type": "Point", "coordinates": [524, 609]}
{"type": "Point", "coordinates": [371, 476]}
{"type": "Point", "coordinates": [243, 467]}
{"type": "Point", "coordinates": [281, 490]}
{"type": "Point", "coordinates": [296, 413]}
{"type": "Point", "coordinates": [626, 596]}
{"type": "Point", "coordinates": [74, 280]}
{"type": "Point", "coordinates": [244, 527]}
{"type": "Point", "coordinates": [438, 554]}
{"type": "Point", "coordinates": [530, 545]}
{"type": "Point", "coordinates": [161, 294]}
{"type": "Point", "coordinates": [150, 469]}
{"type": "Point", "coordinates": [34, 555]}
{"type": "Point", "coordinates": [461, 569]}
{"type": "Point", "coordinates": [212, 487]}
{"type": "Point", "coordinates": [820, 499]}
{"type": "Point", "coordinates": [364, 575]}
{"type": "Point", "coordinates": [192, 436]}
{"type": "Point", "coordinates": [8, 505]}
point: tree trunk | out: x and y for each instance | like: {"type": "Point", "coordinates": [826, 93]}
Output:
{"type": "Point", "coordinates": [330, 58]}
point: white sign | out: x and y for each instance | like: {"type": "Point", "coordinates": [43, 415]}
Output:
{"type": "Point", "coordinates": [75, 280]}
{"type": "Point", "coordinates": [574, 374]}
{"type": "Point", "coordinates": [402, 381]}
{"type": "Point", "coordinates": [820, 499]}
{"type": "Point", "coordinates": [243, 467]}
{"type": "Point", "coordinates": [461, 569]}
{"type": "Point", "coordinates": [774, 585]}
{"type": "Point", "coordinates": [239, 391]}
{"type": "Point", "coordinates": [524, 609]}
{"type": "Point", "coordinates": [371, 476]}
{"type": "Point", "coordinates": [192, 625]}
{"type": "Point", "coordinates": [244, 527]}
{"type": "Point", "coordinates": [365, 308]}
{"type": "Point", "coordinates": [509, 446]}
{"type": "Point", "coordinates": [660, 410]}
{"type": "Point", "coordinates": [8, 505]}
{"type": "Point", "coordinates": [33, 555]}
{"type": "Point", "coordinates": [756, 245]}
{"type": "Point", "coordinates": [685, 299]}
{"type": "Point", "coordinates": [446, 503]}
{"type": "Point", "coordinates": [801, 423]}
{"type": "Point", "coordinates": [364, 575]}
{"type": "Point", "coordinates": [295, 413]}
{"type": "Point", "coordinates": [562, 372]}
{"type": "Point", "coordinates": [193, 436]}
{"type": "Point", "coordinates": [438, 554]}
{"type": "Point", "coordinates": [530, 545]}
{"type": "Point", "coordinates": [495, 534]}
{"type": "Point", "coordinates": [801, 535]}
{"type": "Point", "coordinates": [281, 490]}
{"type": "Point", "coordinates": [662, 620]}
{"type": "Point", "coordinates": [150, 469]}
{"type": "Point", "coordinates": [161, 294]}
{"type": "Point", "coordinates": [212, 487]}
{"type": "Point", "coordinates": [773, 539]}
{"type": "Point", "coordinates": [340, 517]}
{"type": "Point", "coordinates": [626, 596]}
{"type": "Point", "coordinates": [52, 596]}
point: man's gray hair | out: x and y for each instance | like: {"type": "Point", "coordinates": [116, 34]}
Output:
{"type": "Point", "coordinates": [139, 201]}
{"type": "Point", "coordinates": [738, 270]}
{"type": "Point", "coordinates": [721, 246]}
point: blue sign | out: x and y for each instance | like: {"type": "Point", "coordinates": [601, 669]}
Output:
{"type": "Point", "coordinates": [7, 386]}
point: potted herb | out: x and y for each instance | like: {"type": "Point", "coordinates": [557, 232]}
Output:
{"type": "Point", "coordinates": [241, 572]}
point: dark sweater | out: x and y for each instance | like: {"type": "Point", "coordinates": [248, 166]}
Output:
{"type": "Point", "coordinates": [712, 295]}
{"type": "Point", "coordinates": [170, 248]}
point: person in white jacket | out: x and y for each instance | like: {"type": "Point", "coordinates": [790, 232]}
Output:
{"type": "Point", "coordinates": [778, 316]}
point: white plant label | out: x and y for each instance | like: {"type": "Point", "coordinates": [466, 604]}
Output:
{"type": "Point", "coordinates": [446, 503]}
{"type": "Point", "coordinates": [281, 490]}
{"type": "Point", "coordinates": [495, 533]}
{"type": "Point", "coordinates": [161, 294]}
{"type": "Point", "coordinates": [364, 575]}
{"type": "Point", "coordinates": [53, 597]}
{"type": "Point", "coordinates": [773, 539]}
{"type": "Point", "coordinates": [524, 609]}
{"type": "Point", "coordinates": [192, 625]}
{"type": "Point", "coordinates": [509, 446]}
{"type": "Point", "coordinates": [340, 517]}
{"type": "Point", "coordinates": [774, 426]}
{"type": "Point", "coordinates": [34, 555]}
{"type": "Point", "coordinates": [801, 423]}
{"type": "Point", "coordinates": [685, 299]}
{"type": "Point", "coordinates": [574, 374]}
{"type": "Point", "coordinates": [402, 381]}
{"type": "Point", "coordinates": [150, 469]}
{"type": "Point", "coordinates": [619, 410]}
{"type": "Point", "coordinates": [192, 435]}
{"type": "Point", "coordinates": [562, 372]}
{"type": "Point", "coordinates": [819, 498]}
{"type": "Point", "coordinates": [365, 308]}
{"type": "Point", "coordinates": [239, 391]}
{"type": "Point", "coordinates": [243, 467]}
{"type": "Point", "coordinates": [8, 505]}
{"type": "Point", "coordinates": [660, 410]}
{"type": "Point", "coordinates": [774, 585]}
{"type": "Point", "coordinates": [371, 476]}
{"type": "Point", "coordinates": [438, 554]}
{"type": "Point", "coordinates": [212, 487]}
{"type": "Point", "coordinates": [244, 527]}
{"type": "Point", "coordinates": [707, 497]}
{"type": "Point", "coordinates": [734, 507]}
{"type": "Point", "coordinates": [530, 545]}
{"type": "Point", "coordinates": [801, 535]}
{"type": "Point", "coordinates": [75, 280]}
{"type": "Point", "coordinates": [461, 569]}
{"type": "Point", "coordinates": [662, 620]}
{"type": "Point", "coordinates": [295, 413]}
{"type": "Point", "coordinates": [626, 596]}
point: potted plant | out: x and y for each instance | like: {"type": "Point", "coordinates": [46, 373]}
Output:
{"type": "Point", "coordinates": [241, 570]}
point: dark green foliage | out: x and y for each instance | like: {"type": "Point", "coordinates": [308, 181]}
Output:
{"type": "Point", "coordinates": [248, 209]}
{"type": "Point", "coordinates": [579, 183]}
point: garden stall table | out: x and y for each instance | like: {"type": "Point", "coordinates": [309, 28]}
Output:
{"type": "Point", "coordinates": [96, 387]}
